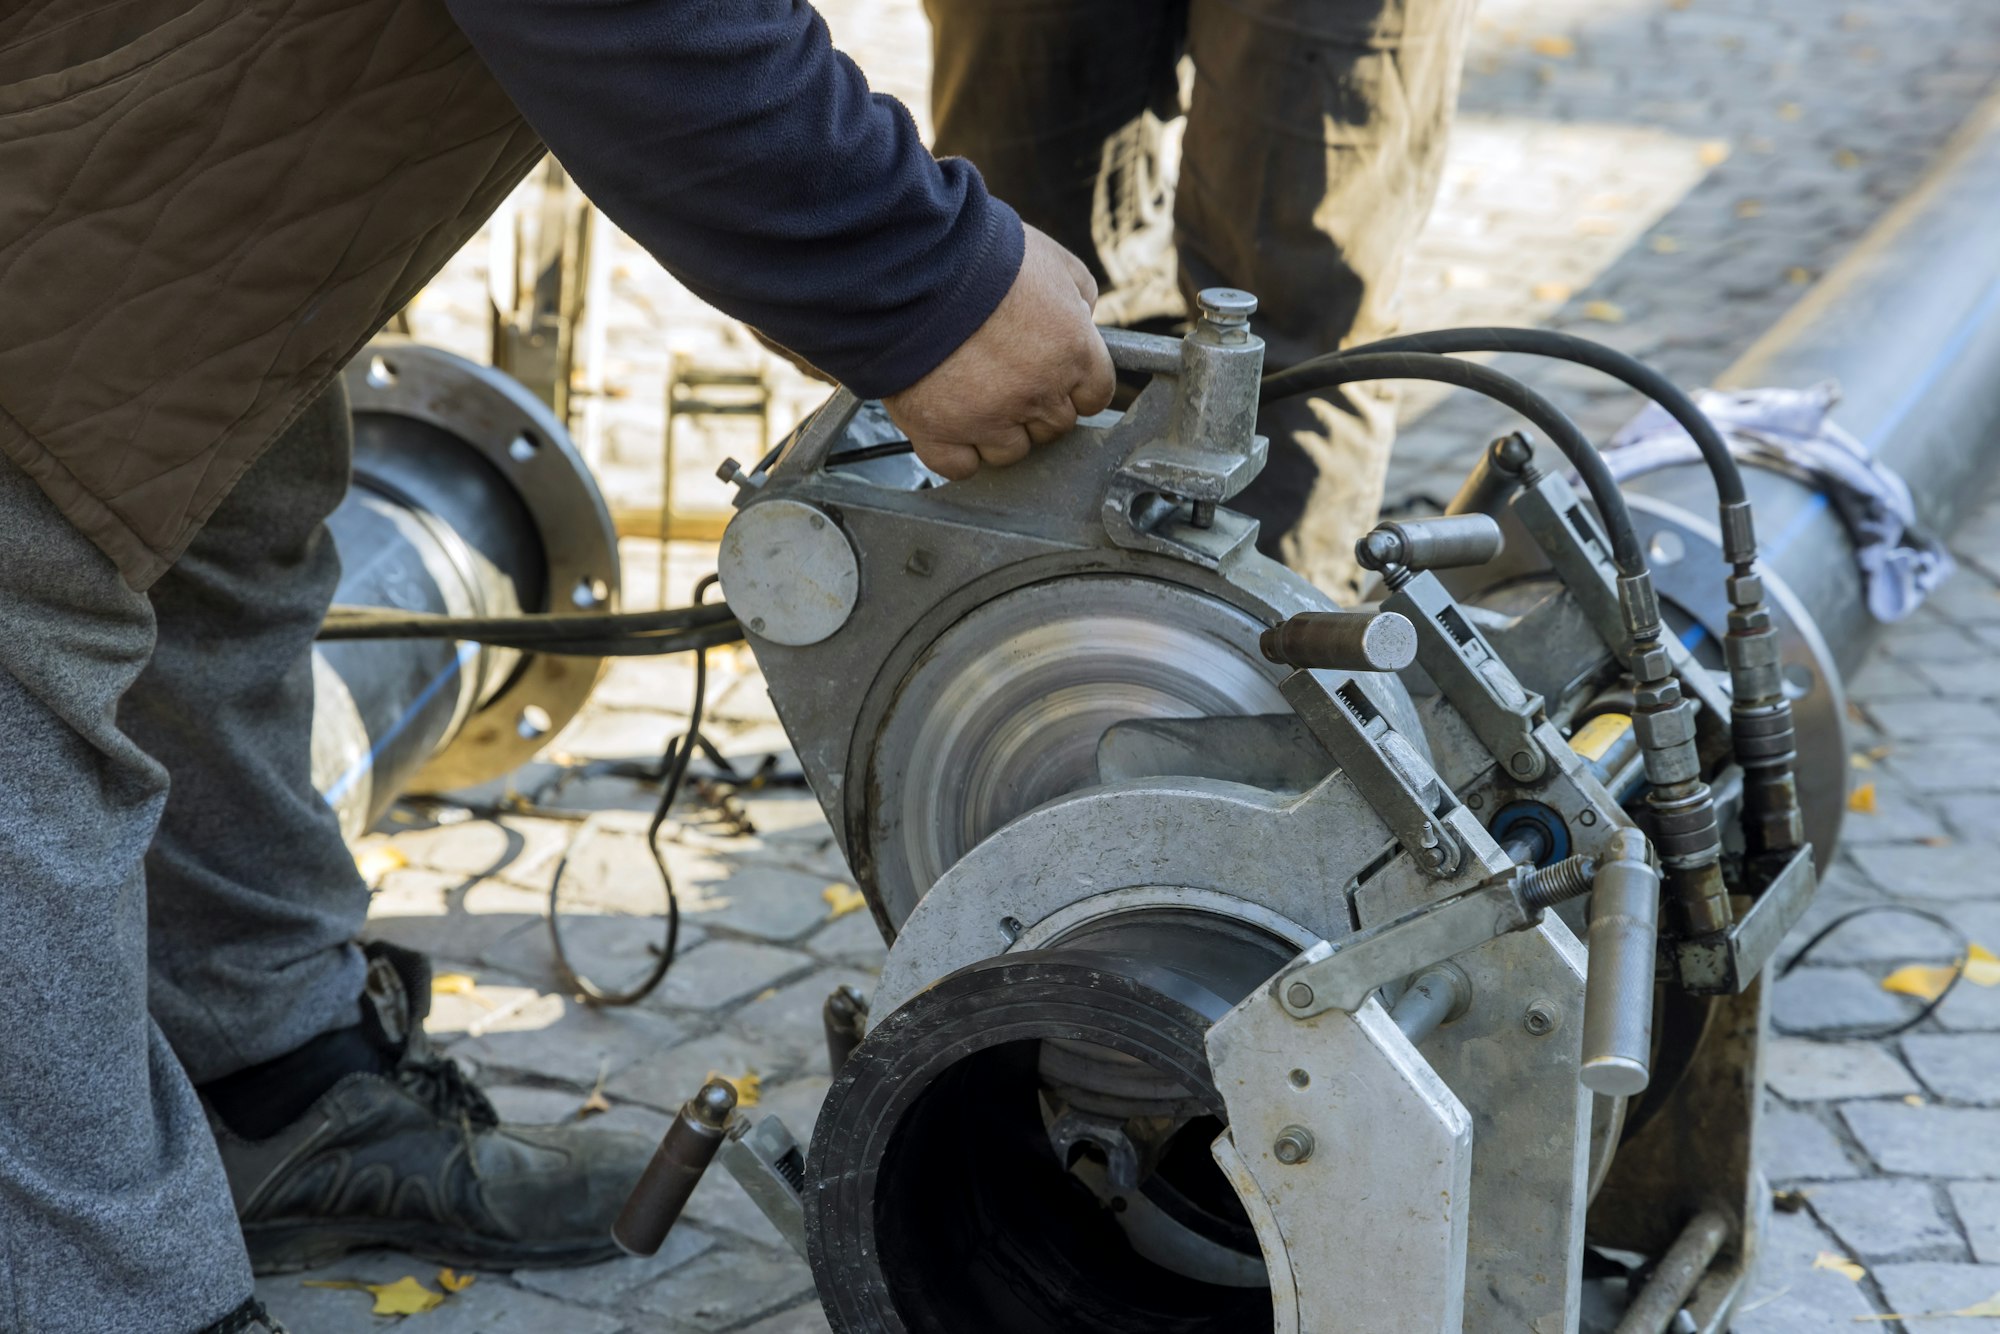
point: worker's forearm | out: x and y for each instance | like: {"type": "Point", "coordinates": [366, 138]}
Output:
{"type": "Point", "coordinates": [749, 157]}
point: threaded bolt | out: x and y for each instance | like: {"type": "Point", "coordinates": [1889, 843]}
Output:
{"type": "Point", "coordinates": [1570, 878]}
{"type": "Point", "coordinates": [1541, 1018]}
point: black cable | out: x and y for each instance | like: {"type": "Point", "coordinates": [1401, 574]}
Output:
{"type": "Point", "coordinates": [1930, 1008]}
{"type": "Point", "coordinates": [1340, 368]}
{"type": "Point", "coordinates": [674, 765]}
{"type": "Point", "coordinates": [351, 622]}
{"type": "Point", "coordinates": [1626, 369]}
{"type": "Point", "coordinates": [888, 449]}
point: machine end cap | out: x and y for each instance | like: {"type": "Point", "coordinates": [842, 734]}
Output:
{"type": "Point", "coordinates": [1615, 1076]}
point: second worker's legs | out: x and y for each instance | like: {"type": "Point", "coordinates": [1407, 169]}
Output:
{"type": "Point", "coordinates": [1061, 104]}
{"type": "Point", "coordinates": [1316, 136]}
{"type": "Point", "coordinates": [254, 898]}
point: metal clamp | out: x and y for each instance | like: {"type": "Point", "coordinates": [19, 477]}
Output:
{"type": "Point", "coordinates": [1343, 975]}
{"type": "Point", "coordinates": [1479, 684]}
{"type": "Point", "coordinates": [1401, 786]}
{"type": "Point", "coordinates": [771, 1167]}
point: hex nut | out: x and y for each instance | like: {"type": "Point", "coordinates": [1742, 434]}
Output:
{"type": "Point", "coordinates": [1294, 1145]}
{"type": "Point", "coordinates": [1542, 1018]}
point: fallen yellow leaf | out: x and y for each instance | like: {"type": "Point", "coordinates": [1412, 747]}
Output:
{"type": "Point", "coordinates": [1664, 245]}
{"type": "Point", "coordinates": [1924, 981]}
{"type": "Point", "coordinates": [1553, 292]}
{"type": "Point", "coordinates": [1839, 1264]}
{"type": "Point", "coordinates": [749, 1086]}
{"type": "Point", "coordinates": [1913, 1099]}
{"type": "Point", "coordinates": [1862, 799]}
{"type": "Point", "coordinates": [452, 984]}
{"type": "Point", "coordinates": [451, 1282]}
{"type": "Point", "coordinates": [1604, 312]}
{"type": "Point", "coordinates": [375, 860]}
{"type": "Point", "coordinates": [1555, 46]}
{"type": "Point", "coordinates": [1798, 275]}
{"type": "Point", "coordinates": [1982, 969]}
{"type": "Point", "coordinates": [843, 899]}
{"type": "Point", "coordinates": [405, 1296]}
{"type": "Point", "coordinates": [1713, 153]}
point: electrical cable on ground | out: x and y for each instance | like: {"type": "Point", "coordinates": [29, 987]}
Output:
{"type": "Point", "coordinates": [1930, 1007]}
{"type": "Point", "coordinates": [674, 767]}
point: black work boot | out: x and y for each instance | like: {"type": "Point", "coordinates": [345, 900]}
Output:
{"type": "Point", "coordinates": [414, 1158]}
{"type": "Point", "coordinates": [249, 1318]}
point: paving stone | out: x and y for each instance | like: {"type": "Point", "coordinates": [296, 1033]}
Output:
{"type": "Point", "coordinates": [616, 951]}
{"type": "Point", "coordinates": [666, 1079]}
{"type": "Point", "coordinates": [441, 915]}
{"type": "Point", "coordinates": [608, 1284]}
{"type": "Point", "coordinates": [807, 1319]}
{"type": "Point", "coordinates": [1977, 1204]}
{"type": "Point", "coordinates": [491, 1305]}
{"type": "Point", "coordinates": [722, 1290]}
{"type": "Point", "coordinates": [773, 903]}
{"type": "Point", "coordinates": [1788, 1295]}
{"type": "Point", "coordinates": [1895, 1216]}
{"type": "Point", "coordinates": [1820, 1000]}
{"type": "Point", "coordinates": [724, 971]}
{"type": "Point", "coordinates": [1804, 1071]}
{"type": "Point", "coordinates": [1946, 1142]}
{"type": "Point", "coordinates": [1798, 1147]}
{"type": "Point", "coordinates": [1961, 1067]}
{"type": "Point", "coordinates": [560, 1038]}
{"type": "Point", "coordinates": [512, 847]}
{"type": "Point", "coordinates": [1974, 816]}
{"type": "Point", "coordinates": [1971, 1008]}
{"type": "Point", "coordinates": [851, 939]}
{"type": "Point", "coordinates": [1920, 872]}
{"type": "Point", "coordinates": [1948, 762]}
{"type": "Point", "coordinates": [790, 1018]}
{"type": "Point", "coordinates": [1921, 1287]}
{"type": "Point", "coordinates": [1939, 717]}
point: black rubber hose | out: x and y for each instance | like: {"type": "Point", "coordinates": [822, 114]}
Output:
{"type": "Point", "coordinates": [1628, 370]}
{"type": "Point", "coordinates": [345, 622]}
{"type": "Point", "coordinates": [1341, 368]}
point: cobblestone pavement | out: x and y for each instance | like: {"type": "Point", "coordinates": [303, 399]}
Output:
{"type": "Point", "coordinates": [1665, 174]}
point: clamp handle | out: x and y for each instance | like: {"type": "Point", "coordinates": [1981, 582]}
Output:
{"type": "Point", "coordinates": [684, 1155]}
{"type": "Point", "coordinates": [1346, 641]}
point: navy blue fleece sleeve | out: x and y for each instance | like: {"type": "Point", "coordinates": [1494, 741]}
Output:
{"type": "Point", "coordinates": [731, 140]}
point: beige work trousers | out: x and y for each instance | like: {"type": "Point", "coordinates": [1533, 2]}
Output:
{"type": "Point", "coordinates": [1314, 137]}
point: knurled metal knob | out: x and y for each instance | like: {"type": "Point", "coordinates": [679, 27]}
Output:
{"type": "Point", "coordinates": [1226, 307]}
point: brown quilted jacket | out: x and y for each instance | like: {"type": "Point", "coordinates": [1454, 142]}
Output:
{"type": "Point", "coordinates": [206, 207]}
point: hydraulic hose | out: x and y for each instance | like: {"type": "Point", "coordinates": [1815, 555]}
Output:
{"type": "Point", "coordinates": [1339, 368]}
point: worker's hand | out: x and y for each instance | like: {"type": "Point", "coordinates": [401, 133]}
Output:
{"type": "Point", "coordinates": [1021, 380]}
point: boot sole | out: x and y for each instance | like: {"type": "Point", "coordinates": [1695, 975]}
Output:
{"type": "Point", "coordinates": [286, 1248]}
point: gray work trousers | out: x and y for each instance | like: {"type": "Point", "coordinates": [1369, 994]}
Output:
{"type": "Point", "coordinates": [176, 902]}
{"type": "Point", "coordinates": [1314, 140]}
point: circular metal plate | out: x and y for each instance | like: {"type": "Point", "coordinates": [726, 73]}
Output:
{"type": "Point", "coordinates": [788, 572]}
{"type": "Point", "coordinates": [516, 433]}
{"type": "Point", "coordinates": [1005, 709]}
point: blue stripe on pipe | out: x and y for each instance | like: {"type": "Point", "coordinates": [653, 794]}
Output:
{"type": "Point", "coordinates": [361, 767]}
{"type": "Point", "coordinates": [1947, 356]}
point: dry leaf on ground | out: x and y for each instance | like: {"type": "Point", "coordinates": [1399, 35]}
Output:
{"type": "Point", "coordinates": [1604, 312]}
{"type": "Point", "coordinates": [1862, 799]}
{"type": "Point", "coordinates": [1924, 981]}
{"type": "Point", "coordinates": [376, 859]}
{"type": "Point", "coordinates": [1553, 292]}
{"type": "Point", "coordinates": [452, 1282]}
{"type": "Point", "coordinates": [1555, 46]}
{"type": "Point", "coordinates": [842, 899]}
{"type": "Point", "coordinates": [749, 1086]}
{"type": "Point", "coordinates": [405, 1296]}
{"type": "Point", "coordinates": [1839, 1264]}
{"type": "Point", "coordinates": [452, 984]}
